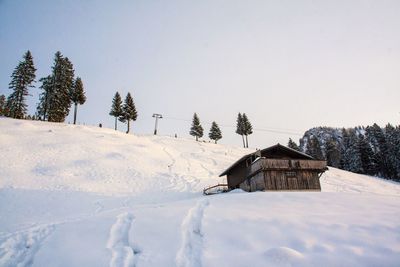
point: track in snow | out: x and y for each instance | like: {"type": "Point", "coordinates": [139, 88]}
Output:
{"type": "Point", "coordinates": [123, 253]}
{"type": "Point", "coordinates": [170, 157]}
{"type": "Point", "coordinates": [182, 183]}
{"type": "Point", "coordinates": [189, 255]}
{"type": "Point", "coordinates": [20, 248]}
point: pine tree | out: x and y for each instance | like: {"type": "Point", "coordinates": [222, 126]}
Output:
{"type": "Point", "coordinates": [293, 145]}
{"type": "Point", "coordinates": [313, 148]}
{"type": "Point", "coordinates": [116, 108]}
{"type": "Point", "coordinates": [240, 127]}
{"type": "Point", "coordinates": [376, 137]}
{"type": "Point", "coordinates": [62, 82]}
{"type": "Point", "coordinates": [77, 95]}
{"type": "Point", "coordinates": [2, 105]}
{"type": "Point", "coordinates": [196, 130]}
{"type": "Point", "coordinates": [22, 78]}
{"type": "Point", "coordinates": [368, 163]}
{"type": "Point", "coordinates": [215, 132]}
{"type": "Point", "coordinates": [351, 160]}
{"type": "Point", "coordinates": [128, 111]}
{"type": "Point", "coordinates": [392, 155]}
{"type": "Point", "coordinates": [332, 153]}
{"type": "Point", "coordinates": [45, 97]}
{"type": "Point", "coordinates": [248, 128]}
{"type": "Point", "coordinates": [8, 108]}
{"type": "Point", "coordinates": [397, 153]}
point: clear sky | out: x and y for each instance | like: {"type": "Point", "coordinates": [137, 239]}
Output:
{"type": "Point", "coordinates": [289, 65]}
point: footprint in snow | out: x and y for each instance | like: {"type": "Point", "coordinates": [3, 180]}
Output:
{"type": "Point", "coordinates": [190, 252]}
{"type": "Point", "coordinates": [123, 254]}
{"type": "Point", "coordinates": [20, 248]}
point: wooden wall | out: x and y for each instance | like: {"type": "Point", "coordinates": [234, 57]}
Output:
{"type": "Point", "coordinates": [277, 174]}
{"type": "Point", "coordinates": [237, 175]}
{"type": "Point", "coordinates": [280, 180]}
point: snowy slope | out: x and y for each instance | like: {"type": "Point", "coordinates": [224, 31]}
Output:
{"type": "Point", "coordinates": [37, 155]}
{"type": "Point", "coordinates": [85, 196]}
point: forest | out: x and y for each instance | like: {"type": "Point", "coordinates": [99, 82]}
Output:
{"type": "Point", "coordinates": [371, 150]}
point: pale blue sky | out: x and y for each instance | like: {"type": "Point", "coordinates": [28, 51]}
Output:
{"type": "Point", "coordinates": [290, 65]}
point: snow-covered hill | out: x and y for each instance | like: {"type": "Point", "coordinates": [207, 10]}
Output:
{"type": "Point", "coordinates": [85, 196]}
{"type": "Point", "coordinates": [52, 156]}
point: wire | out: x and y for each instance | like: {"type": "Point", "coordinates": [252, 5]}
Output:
{"type": "Point", "coordinates": [267, 129]}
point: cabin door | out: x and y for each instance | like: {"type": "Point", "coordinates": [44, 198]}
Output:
{"type": "Point", "coordinates": [293, 184]}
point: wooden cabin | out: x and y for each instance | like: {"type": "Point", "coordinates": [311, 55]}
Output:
{"type": "Point", "coordinates": [275, 168]}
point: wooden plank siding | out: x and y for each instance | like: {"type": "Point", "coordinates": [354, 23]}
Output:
{"type": "Point", "coordinates": [277, 180]}
{"type": "Point", "coordinates": [238, 174]}
{"type": "Point", "coordinates": [267, 174]}
{"type": "Point", "coordinates": [277, 164]}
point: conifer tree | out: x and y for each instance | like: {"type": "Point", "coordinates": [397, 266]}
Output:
{"type": "Point", "coordinates": [77, 95]}
{"type": "Point", "coordinates": [8, 107]}
{"type": "Point", "coordinates": [116, 108]}
{"type": "Point", "coordinates": [2, 105]}
{"type": "Point", "coordinates": [62, 82]}
{"type": "Point", "coordinates": [21, 79]}
{"type": "Point", "coordinates": [240, 127]}
{"type": "Point", "coordinates": [332, 153]}
{"type": "Point", "coordinates": [247, 127]}
{"type": "Point", "coordinates": [293, 145]}
{"type": "Point", "coordinates": [351, 160]}
{"type": "Point", "coordinates": [392, 155]}
{"type": "Point", "coordinates": [128, 111]}
{"type": "Point", "coordinates": [313, 148]}
{"type": "Point", "coordinates": [368, 163]}
{"type": "Point", "coordinates": [215, 132]}
{"type": "Point", "coordinates": [397, 151]}
{"type": "Point", "coordinates": [376, 138]}
{"type": "Point", "coordinates": [196, 130]}
{"type": "Point", "coordinates": [45, 97]}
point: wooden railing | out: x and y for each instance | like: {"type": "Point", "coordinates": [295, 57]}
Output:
{"type": "Point", "coordinates": [276, 164]}
{"type": "Point", "coordinates": [222, 188]}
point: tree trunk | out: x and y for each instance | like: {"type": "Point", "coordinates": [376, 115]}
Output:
{"type": "Point", "coordinates": [75, 110]}
{"type": "Point", "coordinates": [244, 145]}
{"type": "Point", "coordinates": [197, 138]}
{"type": "Point", "coordinates": [115, 123]}
{"type": "Point", "coordinates": [128, 127]}
{"type": "Point", "coordinates": [247, 142]}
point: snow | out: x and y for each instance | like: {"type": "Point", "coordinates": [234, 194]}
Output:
{"type": "Point", "coordinates": [77, 158]}
{"type": "Point", "coordinates": [19, 249]}
{"type": "Point", "coordinates": [122, 253]}
{"type": "Point", "coordinates": [192, 237]}
{"type": "Point", "coordinates": [85, 196]}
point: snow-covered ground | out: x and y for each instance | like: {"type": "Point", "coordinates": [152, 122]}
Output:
{"type": "Point", "coordinates": [85, 196]}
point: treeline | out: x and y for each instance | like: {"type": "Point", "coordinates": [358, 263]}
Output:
{"type": "Point", "coordinates": [243, 128]}
{"type": "Point", "coordinates": [59, 90]}
{"type": "Point", "coordinates": [370, 150]}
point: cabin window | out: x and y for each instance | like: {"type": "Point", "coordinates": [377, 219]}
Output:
{"type": "Point", "coordinates": [291, 174]}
